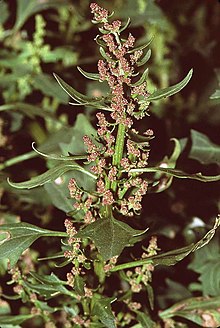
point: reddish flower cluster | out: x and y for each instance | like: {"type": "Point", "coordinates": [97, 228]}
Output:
{"type": "Point", "coordinates": [100, 14]}
{"type": "Point", "coordinates": [126, 103]}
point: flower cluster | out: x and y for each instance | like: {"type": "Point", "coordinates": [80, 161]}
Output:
{"type": "Point", "coordinates": [142, 276]}
{"type": "Point", "coordinates": [113, 159]}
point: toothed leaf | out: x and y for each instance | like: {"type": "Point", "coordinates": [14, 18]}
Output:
{"type": "Point", "coordinates": [20, 237]}
{"type": "Point", "coordinates": [109, 235]}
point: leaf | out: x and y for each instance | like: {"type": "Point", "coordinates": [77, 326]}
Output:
{"type": "Point", "coordinates": [178, 173]}
{"type": "Point", "coordinates": [4, 12]}
{"type": "Point", "coordinates": [173, 256]}
{"type": "Point", "coordinates": [48, 289]}
{"type": "Point", "coordinates": [102, 309]}
{"type": "Point", "coordinates": [27, 109]}
{"type": "Point", "coordinates": [125, 26]}
{"type": "Point", "coordinates": [74, 144]}
{"type": "Point", "coordinates": [171, 162]}
{"type": "Point", "coordinates": [77, 96]}
{"type": "Point", "coordinates": [141, 47]}
{"type": "Point", "coordinates": [59, 193]}
{"type": "Point", "coordinates": [27, 8]}
{"type": "Point", "coordinates": [216, 94]}
{"type": "Point", "coordinates": [109, 235]}
{"type": "Point", "coordinates": [58, 157]}
{"type": "Point", "coordinates": [203, 150]}
{"type": "Point", "coordinates": [79, 285]}
{"type": "Point", "coordinates": [207, 264]}
{"type": "Point", "coordinates": [145, 59]}
{"type": "Point", "coordinates": [167, 92]}
{"type": "Point", "coordinates": [50, 175]}
{"type": "Point", "coordinates": [91, 76]}
{"type": "Point", "coordinates": [200, 310]}
{"type": "Point", "coordinates": [15, 320]}
{"type": "Point", "coordinates": [145, 320]}
{"type": "Point", "coordinates": [142, 79]}
{"type": "Point", "coordinates": [20, 237]}
{"type": "Point", "coordinates": [46, 84]}
{"type": "Point", "coordinates": [104, 55]}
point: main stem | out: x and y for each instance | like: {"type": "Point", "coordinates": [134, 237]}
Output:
{"type": "Point", "coordinates": [119, 148]}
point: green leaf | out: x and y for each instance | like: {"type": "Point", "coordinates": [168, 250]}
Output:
{"type": "Point", "coordinates": [20, 237]}
{"type": "Point", "coordinates": [167, 92]}
{"type": "Point", "coordinates": [207, 264]}
{"type": "Point", "coordinates": [77, 96]}
{"type": "Point", "coordinates": [141, 47]}
{"type": "Point", "coordinates": [145, 59]}
{"type": "Point", "coordinates": [142, 79]}
{"type": "Point", "coordinates": [178, 174]}
{"type": "Point", "coordinates": [79, 285]}
{"type": "Point", "coordinates": [104, 55]}
{"type": "Point", "coordinates": [59, 193]}
{"type": "Point", "coordinates": [126, 25]}
{"type": "Point", "coordinates": [27, 8]}
{"type": "Point", "coordinates": [109, 235]}
{"type": "Point", "coordinates": [46, 84]}
{"type": "Point", "coordinates": [58, 157]}
{"type": "Point", "coordinates": [174, 256]}
{"type": "Point", "coordinates": [15, 320]}
{"type": "Point", "coordinates": [202, 311]}
{"type": "Point", "coordinates": [203, 150]}
{"type": "Point", "coordinates": [74, 144]}
{"type": "Point", "coordinates": [4, 12]}
{"type": "Point", "coordinates": [102, 309]}
{"type": "Point", "coordinates": [91, 76]}
{"type": "Point", "coordinates": [145, 320]}
{"type": "Point", "coordinates": [50, 175]}
{"type": "Point", "coordinates": [51, 279]}
{"type": "Point", "coordinates": [171, 163]}
{"type": "Point", "coordinates": [27, 109]}
{"type": "Point", "coordinates": [47, 289]}
{"type": "Point", "coordinates": [216, 94]}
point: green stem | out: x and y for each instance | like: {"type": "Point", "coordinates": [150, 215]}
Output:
{"type": "Point", "coordinates": [119, 147]}
{"type": "Point", "coordinates": [18, 159]}
{"type": "Point", "coordinates": [130, 265]}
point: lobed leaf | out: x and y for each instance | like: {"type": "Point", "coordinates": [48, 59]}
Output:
{"type": "Point", "coordinates": [203, 150]}
{"type": "Point", "coordinates": [207, 264]}
{"type": "Point", "coordinates": [20, 237]}
{"type": "Point", "coordinates": [167, 92]}
{"type": "Point", "coordinates": [109, 235]}
{"type": "Point", "coordinates": [50, 175]}
{"type": "Point", "coordinates": [102, 309]}
{"type": "Point", "coordinates": [174, 256]}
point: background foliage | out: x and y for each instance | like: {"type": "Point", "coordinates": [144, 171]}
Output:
{"type": "Point", "coordinates": [42, 37]}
